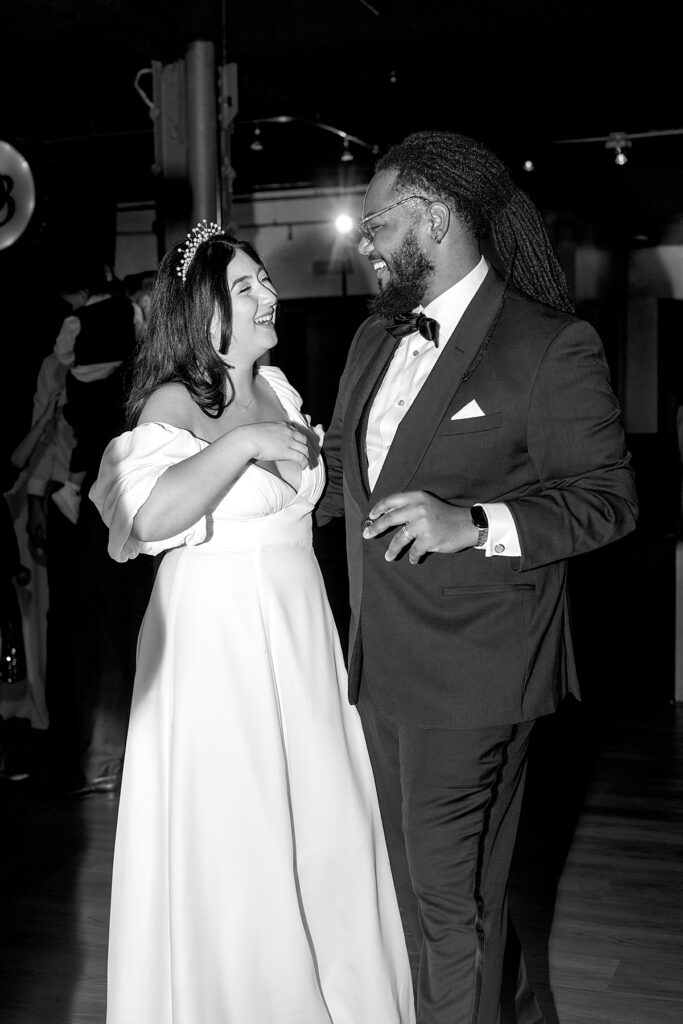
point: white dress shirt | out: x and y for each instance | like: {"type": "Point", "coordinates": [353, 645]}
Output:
{"type": "Point", "coordinates": [413, 361]}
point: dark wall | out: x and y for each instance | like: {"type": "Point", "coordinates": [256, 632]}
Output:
{"type": "Point", "coordinates": [314, 336]}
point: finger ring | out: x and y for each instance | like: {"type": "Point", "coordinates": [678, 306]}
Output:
{"type": "Point", "coordinates": [407, 532]}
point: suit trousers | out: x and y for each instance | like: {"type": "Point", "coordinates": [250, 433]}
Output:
{"type": "Point", "coordinates": [450, 802]}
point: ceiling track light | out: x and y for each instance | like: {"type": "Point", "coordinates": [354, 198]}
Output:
{"type": "Point", "coordinates": [618, 141]}
{"type": "Point", "coordinates": [346, 155]}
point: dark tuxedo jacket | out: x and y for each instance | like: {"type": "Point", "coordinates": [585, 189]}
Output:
{"type": "Point", "coordinates": [462, 640]}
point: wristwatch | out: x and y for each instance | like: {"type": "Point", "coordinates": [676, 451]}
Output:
{"type": "Point", "coordinates": [481, 522]}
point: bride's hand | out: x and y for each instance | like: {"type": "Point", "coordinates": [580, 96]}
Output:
{"type": "Point", "coordinates": [277, 441]}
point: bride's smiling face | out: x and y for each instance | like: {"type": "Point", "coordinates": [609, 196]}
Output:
{"type": "Point", "coordinates": [254, 301]}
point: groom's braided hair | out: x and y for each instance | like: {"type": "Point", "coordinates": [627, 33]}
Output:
{"type": "Point", "coordinates": [477, 185]}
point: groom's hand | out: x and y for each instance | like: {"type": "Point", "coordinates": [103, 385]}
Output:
{"type": "Point", "coordinates": [425, 524]}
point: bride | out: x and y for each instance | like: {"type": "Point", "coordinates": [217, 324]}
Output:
{"type": "Point", "coordinates": [251, 881]}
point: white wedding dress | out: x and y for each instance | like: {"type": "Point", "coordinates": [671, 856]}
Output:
{"type": "Point", "coordinates": [251, 881]}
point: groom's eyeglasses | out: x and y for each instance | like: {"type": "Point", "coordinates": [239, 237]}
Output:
{"type": "Point", "coordinates": [369, 233]}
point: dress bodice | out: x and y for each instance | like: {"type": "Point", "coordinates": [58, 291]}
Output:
{"type": "Point", "coordinates": [259, 508]}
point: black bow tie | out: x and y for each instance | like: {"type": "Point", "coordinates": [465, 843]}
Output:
{"type": "Point", "coordinates": [426, 326]}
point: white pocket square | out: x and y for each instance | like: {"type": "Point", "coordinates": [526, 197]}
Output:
{"type": "Point", "coordinates": [468, 411]}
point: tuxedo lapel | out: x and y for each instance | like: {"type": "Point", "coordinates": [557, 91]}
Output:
{"type": "Point", "coordinates": [460, 354]}
{"type": "Point", "coordinates": [380, 347]}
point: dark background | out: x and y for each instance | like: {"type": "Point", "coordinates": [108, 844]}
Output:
{"type": "Point", "coordinates": [519, 74]}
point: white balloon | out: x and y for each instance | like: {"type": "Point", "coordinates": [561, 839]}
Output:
{"type": "Point", "coordinates": [17, 194]}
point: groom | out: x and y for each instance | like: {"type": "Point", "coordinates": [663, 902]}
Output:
{"type": "Point", "coordinates": [475, 446]}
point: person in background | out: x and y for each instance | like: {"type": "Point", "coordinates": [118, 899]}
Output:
{"type": "Point", "coordinates": [104, 333]}
{"type": "Point", "coordinates": [138, 288]}
{"type": "Point", "coordinates": [50, 462]}
{"type": "Point", "coordinates": [476, 446]}
{"type": "Point", "coordinates": [13, 574]}
{"type": "Point", "coordinates": [93, 365]}
{"type": "Point", "coordinates": [32, 464]}
{"type": "Point", "coordinates": [52, 534]}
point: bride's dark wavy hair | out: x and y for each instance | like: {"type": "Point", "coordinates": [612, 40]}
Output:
{"type": "Point", "coordinates": [176, 346]}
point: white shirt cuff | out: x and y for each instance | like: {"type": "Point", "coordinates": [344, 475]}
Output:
{"type": "Point", "coordinates": [502, 539]}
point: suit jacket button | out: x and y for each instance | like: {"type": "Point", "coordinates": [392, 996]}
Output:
{"type": "Point", "coordinates": [499, 549]}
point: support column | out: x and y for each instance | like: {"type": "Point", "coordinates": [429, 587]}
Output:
{"type": "Point", "coordinates": [202, 144]}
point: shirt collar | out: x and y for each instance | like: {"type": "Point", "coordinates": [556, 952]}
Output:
{"type": "Point", "coordinates": [448, 307]}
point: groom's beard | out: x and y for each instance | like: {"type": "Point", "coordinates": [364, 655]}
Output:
{"type": "Point", "coordinates": [409, 271]}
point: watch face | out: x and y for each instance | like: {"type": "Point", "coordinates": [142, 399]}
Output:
{"type": "Point", "coordinates": [479, 517]}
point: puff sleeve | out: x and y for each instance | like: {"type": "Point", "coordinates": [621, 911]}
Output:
{"type": "Point", "coordinates": [131, 466]}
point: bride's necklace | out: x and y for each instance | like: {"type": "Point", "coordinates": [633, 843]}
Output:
{"type": "Point", "coordinates": [242, 405]}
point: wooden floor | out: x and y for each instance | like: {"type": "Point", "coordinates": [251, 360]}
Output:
{"type": "Point", "coordinates": [597, 881]}
{"type": "Point", "coordinates": [598, 878]}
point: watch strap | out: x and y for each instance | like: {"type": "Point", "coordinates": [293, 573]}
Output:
{"type": "Point", "coordinates": [481, 523]}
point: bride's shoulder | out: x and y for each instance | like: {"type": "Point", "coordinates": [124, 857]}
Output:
{"type": "Point", "coordinates": [279, 383]}
{"type": "Point", "coordinates": [171, 403]}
